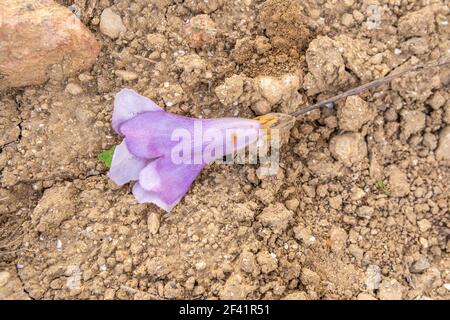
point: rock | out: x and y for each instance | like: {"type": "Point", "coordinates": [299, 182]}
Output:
{"type": "Point", "coordinates": [365, 212]}
{"type": "Point", "coordinates": [235, 288]}
{"type": "Point", "coordinates": [247, 263]}
{"type": "Point", "coordinates": [292, 204]}
{"type": "Point", "coordinates": [443, 149]}
{"type": "Point", "coordinates": [4, 278]}
{"type": "Point", "coordinates": [200, 31]}
{"type": "Point", "coordinates": [354, 114]}
{"type": "Point", "coordinates": [270, 88]}
{"type": "Point", "coordinates": [74, 89]}
{"type": "Point", "coordinates": [153, 223]}
{"type": "Point", "coordinates": [229, 92]}
{"type": "Point", "coordinates": [55, 207]}
{"type": "Point", "coordinates": [420, 265]}
{"type": "Point", "coordinates": [268, 262]}
{"type": "Point", "coordinates": [111, 24]}
{"type": "Point", "coordinates": [357, 193]}
{"type": "Point", "coordinates": [172, 94]}
{"type": "Point", "coordinates": [436, 101]}
{"type": "Point", "coordinates": [325, 65]}
{"type": "Point", "coordinates": [430, 141]}
{"type": "Point", "coordinates": [126, 75]}
{"type": "Point", "coordinates": [276, 217]}
{"type": "Point", "coordinates": [304, 234]}
{"type": "Point", "coordinates": [373, 277]}
{"type": "Point", "coordinates": [424, 225]}
{"type": "Point", "coordinates": [390, 289]}
{"type": "Point", "coordinates": [348, 148]}
{"type": "Point", "coordinates": [200, 266]}
{"type": "Point", "coordinates": [412, 122]}
{"type": "Point", "coordinates": [365, 296]}
{"type": "Point", "coordinates": [28, 49]}
{"type": "Point", "coordinates": [309, 278]}
{"type": "Point", "coordinates": [335, 202]}
{"type": "Point", "coordinates": [261, 107]}
{"type": "Point", "coordinates": [356, 251]}
{"type": "Point", "coordinates": [417, 23]}
{"type": "Point", "coordinates": [274, 89]}
{"type": "Point", "coordinates": [338, 237]}
{"type": "Point", "coordinates": [190, 63]}
{"type": "Point", "coordinates": [398, 182]}
{"type": "Point", "coordinates": [156, 42]}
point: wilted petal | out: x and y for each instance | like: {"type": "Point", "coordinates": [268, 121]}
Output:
{"type": "Point", "coordinates": [166, 182]}
{"type": "Point", "coordinates": [128, 104]}
{"type": "Point", "coordinates": [125, 166]}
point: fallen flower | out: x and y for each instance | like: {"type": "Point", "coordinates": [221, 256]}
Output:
{"type": "Point", "coordinates": [164, 152]}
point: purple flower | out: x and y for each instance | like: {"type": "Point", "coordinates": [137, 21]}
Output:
{"type": "Point", "coordinates": [165, 152]}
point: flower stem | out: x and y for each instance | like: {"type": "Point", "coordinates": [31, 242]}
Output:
{"type": "Point", "coordinates": [368, 86]}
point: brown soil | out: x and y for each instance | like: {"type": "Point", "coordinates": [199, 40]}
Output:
{"type": "Point", "coordinates": [333, 223]}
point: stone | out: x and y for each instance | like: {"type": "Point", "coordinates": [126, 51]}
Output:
{"type": "Point", "coordinates": [365, 212]}
{"type": "Point", "coordinates": [156, 42]}
{"type": "Point", "coordinates": [357, 193]}
{"type": "Point", "coordinates": [304, 234]}
{"type": "Point", "coordinates": [275, 89]}
{"type": "Point", "coordinates": [28, 49]}
{"type": "Point", "coordinates": [348, 148]}
{"type": "Point", "coordinates": [436, 101]}
{"type": "Point", "coordinates": [430, 141]}
{"type": "Point", "coordinates": [153, 223]}
{"type": "Point", "coordinates": [276, 217]}
{"type": "Point", "coordinates": [74, 89]}
{"type": "Point", "coordinates": [126, 75]}
{"type": "Point", "coordinates": [398, 182]}
{"type": "Point", "coordinates": [111, 24]}
{"type": "Point", "coordinates": [354, 114]}
{"type": "Point", "coordinates": [417, 23]}
{"type": "Point", "coordinates": [4, 278]}
{"type": "Point", "coordinates": [338, 237]}
{"type": "Point", "coordinates": [443, 149]}
{"type": "Point", "coordinates": [335, 202]}
{"type": "Point", "coordinates": [261, 107]}
{"type": "Point", "coordinates": [309, 278]}
{"type": "Point", "coordinates": [268, 262]}
{"type": "Point", "coordinates": [390, 289]}
{"type": "Point", "coordinates": [412, 122]}
{"type": "Point", "coordinates": [229, 92]}
{"type": "Point", "coordinates": [200, 31]}
{"type": "Point", "coordinates": [292, 204]}
{"type": "Point", "coordinates": [190, 63]}
{"type": "Point", "coordinates": [373, 277]}
{"type": "Point", "coordinates": [325, 65]}
{"type": "Point", "coordinates": [247, 262]}
{"type": "Point", "coordinates": [424, 225]}
{"type": "Point", "coordinates": [235, 288]}
{"type": "Point", "coordinates": [420, 265]}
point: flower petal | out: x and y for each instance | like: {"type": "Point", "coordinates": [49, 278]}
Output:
{"type": "Point", "coordinates": [128, 104]}
{"type": "Point", "coordinates": [167, 182]}
{"type": "Point", "coordinates": [152, 134]}
{"type": "Point", "coordinates": [125, 166]}
{"type": "Point", "coordinates": [144, 196]}
{"type": "Point", "coordinates": [149, 135]}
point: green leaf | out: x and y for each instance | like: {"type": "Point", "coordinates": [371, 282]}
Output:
{"type": "Point", "coordinates": [106, 156]}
